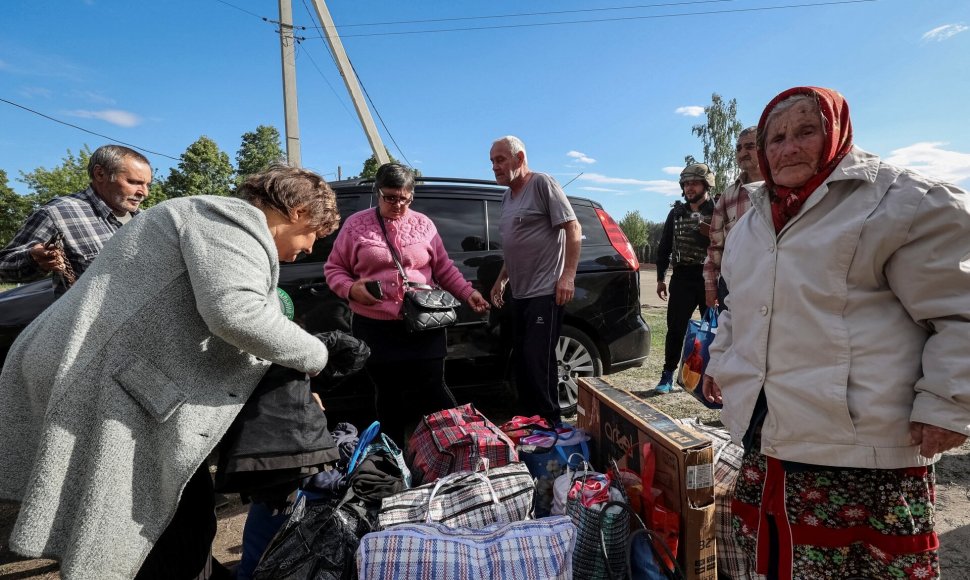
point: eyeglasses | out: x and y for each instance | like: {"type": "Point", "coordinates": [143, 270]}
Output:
{"type": "Point", "coordinates": [395, 200]}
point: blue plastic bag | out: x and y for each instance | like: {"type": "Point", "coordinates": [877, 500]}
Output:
{"type": "Point", "coordinates": [695, 356]}
{"type": "Point", "coordinates": [546, 454]}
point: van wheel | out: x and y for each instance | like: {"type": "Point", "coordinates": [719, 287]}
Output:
{"type": "Point", "coordinates": [577, 356]}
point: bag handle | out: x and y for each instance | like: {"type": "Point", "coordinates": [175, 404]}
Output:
{"type": "Point", "coordinates": [454, 477]}
{"type": "Point", "coordinates": [710, 317]}
{"type": "Point", "coordinates": [365, 439]}
{"type": "Point", "coordinates": [676, 574]}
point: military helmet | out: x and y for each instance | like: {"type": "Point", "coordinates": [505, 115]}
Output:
{"type": "Point", "coordinates": [698, 171]}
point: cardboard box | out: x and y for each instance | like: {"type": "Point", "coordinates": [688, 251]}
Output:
{"type": "Point", "coordinates": [616, 421]}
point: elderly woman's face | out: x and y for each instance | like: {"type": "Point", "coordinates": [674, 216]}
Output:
{"type": "Point", "coordinates": [793, 144]}
{"type": "Point", "coordinates": [394, 202]}
{"type": "Point", "coordinates": [294, 236]}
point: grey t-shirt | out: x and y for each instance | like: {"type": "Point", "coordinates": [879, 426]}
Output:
{"type": "Point", "coordinates": [533, 242]}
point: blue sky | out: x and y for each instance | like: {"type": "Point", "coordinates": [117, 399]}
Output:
{"type": "Point", "coordinates": [612, 97]}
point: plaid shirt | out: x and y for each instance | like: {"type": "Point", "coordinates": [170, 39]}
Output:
{"type": "Point", "coordinates": [84, 219]}
{"type": "Point", "coordinates": [730, 207]}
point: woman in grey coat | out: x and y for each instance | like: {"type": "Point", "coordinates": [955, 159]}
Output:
{"type": "Point", "coordinates": [111, 400]}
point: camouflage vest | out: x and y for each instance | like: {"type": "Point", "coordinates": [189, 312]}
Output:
{"type": "Point", "coordinates": [690, 247]}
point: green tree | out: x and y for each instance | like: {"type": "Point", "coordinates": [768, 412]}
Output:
{"type": "Point", "coordinates": [372, 164]}
{"type": "Point", "coordinates": [719, 136]}
{"type": "Point", "coordinates": [202, 170]}
{"type": "Point", "coordinates": [157, 193]}
{"type": "Point", "coordinates": [14, 209]}
{"type": "Point", "coordinates": [635, 228]}
{"type": "Point", "coordinates": [69, 177]}
{"type": "Point", "coordinates": [655, 231]}
{"type": "Point", "coordinates": [259, 148]}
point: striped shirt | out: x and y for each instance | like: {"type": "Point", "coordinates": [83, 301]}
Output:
{"type": "Point", "coordinates": [730, 207]}
{"type": "Point", "coordinates": [86, 222]}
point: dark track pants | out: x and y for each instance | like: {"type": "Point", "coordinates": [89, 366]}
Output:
{"type": "Point", "coordinates": [538, 323]}
{"type": "Point", "coordinates": [686, 293]}
{"type": "Point", "coordinates": [406, 392]}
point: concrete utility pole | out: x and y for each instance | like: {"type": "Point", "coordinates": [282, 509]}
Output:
{"type": "Point", "coordinates": [287, 51]}
{"type": "Point", "coordinates": [350, 79]}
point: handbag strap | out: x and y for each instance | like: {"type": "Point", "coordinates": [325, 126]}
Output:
{"type": "Point", "coordinates": [390, 246]}
{"type": "Point", "coordinates": [676, 574]}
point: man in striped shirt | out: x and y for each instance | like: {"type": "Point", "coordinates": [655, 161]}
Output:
{"type": "Point", "coordinates": [730, 206]}
{"type": "Point", "coordinates": [82, 221]}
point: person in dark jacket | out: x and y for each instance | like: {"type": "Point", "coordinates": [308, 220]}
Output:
{"type": "Point", "coordinates": [684, 245]}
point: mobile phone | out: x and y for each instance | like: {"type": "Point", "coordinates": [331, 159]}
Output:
{"type": "Point", "coordinates": [374, 287]}
{"type": "Point", "coordinates": [56, 239]}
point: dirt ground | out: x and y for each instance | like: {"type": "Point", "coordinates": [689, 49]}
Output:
{"type": "Point", "coordinates": [953, 484]}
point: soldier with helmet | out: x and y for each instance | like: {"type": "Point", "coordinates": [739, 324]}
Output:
{"type": "Point", "coordinates": [684, 247]}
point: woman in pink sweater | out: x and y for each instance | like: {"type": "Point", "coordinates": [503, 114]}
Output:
{"type": "Point", "coordinates": [407, 369]}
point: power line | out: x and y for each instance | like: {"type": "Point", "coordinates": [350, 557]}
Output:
{"type": "Point", "coordinates": [379, 117]}
{"type": "Point", "coordinates": [617, 19]}
{"type": "Point", "coordinates": [112, 139]}
{"type": "Point", "coordinates": [363, 88]}
{"type": "Point", "coordinates": [524, 14]}
{"type": "Point", "coordinates": [242, 10]}
{"type": "Point", "coordinates": [333, 90]}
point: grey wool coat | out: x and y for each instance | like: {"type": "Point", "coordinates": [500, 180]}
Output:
{"type": "Point", "coordinates": [114, 396]}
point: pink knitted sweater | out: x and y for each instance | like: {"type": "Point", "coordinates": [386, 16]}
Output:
{"type": "Point", "coordinates": [361, 252]}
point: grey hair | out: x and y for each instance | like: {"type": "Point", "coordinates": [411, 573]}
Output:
{"type": "Point", "coordinates": [748, 131]}
{"type": "Point", "coordinates": [111, 158]}
{"type": "Point", "coordinates": [395, 176]}
{"type": "Point", "coordinates": [515, 144]}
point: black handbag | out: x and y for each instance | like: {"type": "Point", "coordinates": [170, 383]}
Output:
{"type": "Point", "coordinates": [425, 307]}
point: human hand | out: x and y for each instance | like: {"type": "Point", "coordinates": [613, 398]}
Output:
{"type": "Point", "coordinates": [662, 290]}
{"type": "Point", "coordinates": [477, 302]}
{"type": "Point", "coordinates": [932, 439]}
{"type": "Point", "coordinates": [565, 289]}
{"type": "Point", "coordinates": [498, 290]}
{"type": "Point", "coordinates": [319, 401]}
{"type": "Point", "coordinates": [710, 297]}
{"type": "Point", "coordinates": [705, 229]}
{"type": "Point", "coordinates": [47, 259]}
{"type": "Point", "coordinates": [712, 391]}
{"type": "Point", "coordinates": [359, 293]}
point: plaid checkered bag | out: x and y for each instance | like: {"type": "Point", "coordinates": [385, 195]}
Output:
{"type": "Point", "coordinates": [540, 549]}
{"type": "Point", "coordinates": [455, 440]}
{"type": "Point", "coordinates": [472, 499]}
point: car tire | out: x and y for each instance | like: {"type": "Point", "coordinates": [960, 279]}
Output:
{"type": "Point", "coordinates": [577, 356]}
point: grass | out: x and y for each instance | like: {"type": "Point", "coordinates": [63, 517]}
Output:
{"type": "Point", "coordinates": [6, 286]}
{"type": "Point", "coordinates": [640, 381]}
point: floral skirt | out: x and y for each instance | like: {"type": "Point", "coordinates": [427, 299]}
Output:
{"type": "Point", "coordinates": [836, 523]}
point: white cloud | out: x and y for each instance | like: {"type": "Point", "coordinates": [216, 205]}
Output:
{"type": "Point", "coordinates": [602, 189]}
{"type": "Point", "coordinates": [113, 116]}
{"type": "Point", "coordinates": [581, 157]}
{"type": "Point", "coordinates": [31, 92]}
{"type": "Point", "coordinates": [691, 111]}
{"type": "Point", "coordinates": [663, 187]}
{"type": "Point", "coordinates": [941, 33]}
{"type": "Point", "coordinates": [93, 97]}
{"type": "Point", "coordinates": [928, 158]}
{"type": "Point", "coordinates": [603, 179]}
{"type": "Point", "coordinates": [673, 170]}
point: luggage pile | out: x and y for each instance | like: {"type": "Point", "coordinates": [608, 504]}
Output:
{"type": "Point", "coordinates": [472, 500]}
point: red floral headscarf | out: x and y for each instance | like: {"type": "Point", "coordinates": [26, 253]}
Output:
{"type": "Point", "coordinates": [787, 201]}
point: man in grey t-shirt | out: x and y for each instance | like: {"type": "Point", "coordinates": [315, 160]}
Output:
{"type": "Point", "coordinates": [541, 241]}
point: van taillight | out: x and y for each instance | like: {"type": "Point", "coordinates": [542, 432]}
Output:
{"type": "Point", "coordinates": [618, 239]}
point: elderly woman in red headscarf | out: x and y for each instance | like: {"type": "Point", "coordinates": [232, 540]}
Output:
{"type": "Point", "coordinates": [842, 358]}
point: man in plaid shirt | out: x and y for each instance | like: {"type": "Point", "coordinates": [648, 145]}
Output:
{"type": "Point", "coordinates": [85, 220]}
{"type": "Point", "coordinates": [730, 206]}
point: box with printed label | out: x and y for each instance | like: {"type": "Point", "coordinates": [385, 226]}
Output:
{"type": "Point", "coordinates": [618, 421]}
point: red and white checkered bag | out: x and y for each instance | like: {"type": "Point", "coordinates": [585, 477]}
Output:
{"type": "Point", "coordinates": [456, 440]}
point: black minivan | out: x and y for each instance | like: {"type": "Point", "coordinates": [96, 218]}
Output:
{"type": "Point", "coordinates": [603, 331]}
